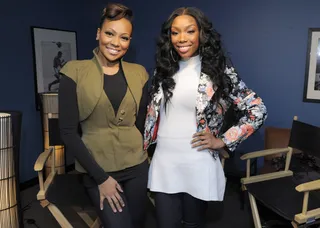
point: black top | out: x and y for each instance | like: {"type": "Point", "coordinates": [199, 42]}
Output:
{"type": "Point", "coordinates": [115, 87]}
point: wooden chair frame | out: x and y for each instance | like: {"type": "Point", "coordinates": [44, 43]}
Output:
{"type": "Point", "coordinates": [44, 186]}
{"type": "Point", "coordinates": [299, 219]}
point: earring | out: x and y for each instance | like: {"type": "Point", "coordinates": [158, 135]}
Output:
{"type": "Point", "coordinates": [174, 60]}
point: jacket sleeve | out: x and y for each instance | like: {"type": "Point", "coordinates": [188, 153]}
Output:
{"type": "Point", "coordinates": [253, 110]}
{"type": "Point", "coordinates": [69, 127]}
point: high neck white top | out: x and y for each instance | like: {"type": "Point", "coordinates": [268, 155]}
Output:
{"type": "Point", "coordinates": [181, 108]}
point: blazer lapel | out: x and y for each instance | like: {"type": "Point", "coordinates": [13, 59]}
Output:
{"type": "Point", "coordinates": [90, 88]}
{"type": "Point", "coordinates": [205, 92]}
{"type": "Point", "coordinates": [204, 95]}
{"type": "Point", "coordinates": [133, 82]}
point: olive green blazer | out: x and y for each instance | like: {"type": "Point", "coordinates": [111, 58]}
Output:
{"type": "Point", "coordinates": [112, 139]}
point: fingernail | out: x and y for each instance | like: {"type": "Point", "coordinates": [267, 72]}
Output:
{"type": "Point", "coordinates": [101, 208]}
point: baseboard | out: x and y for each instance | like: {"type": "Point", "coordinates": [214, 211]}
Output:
{"type": "Point", "coordinates": [34, 181]}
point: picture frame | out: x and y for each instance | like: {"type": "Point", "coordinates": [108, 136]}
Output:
{"type": "Point", "coordinates": [52, 48]}
{"type": "Point", "coordinates": [312, 72]}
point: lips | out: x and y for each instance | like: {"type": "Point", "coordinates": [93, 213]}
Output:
{"type": "Point", "coordinates": [184, 49]}
{"type": "Point", "coordinates": [113, 51]}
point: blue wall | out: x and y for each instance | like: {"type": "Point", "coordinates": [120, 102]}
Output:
{"type": "Point", "coordinates": [267, 41]}
{"type": "Point", "coordinates": [17, 91]}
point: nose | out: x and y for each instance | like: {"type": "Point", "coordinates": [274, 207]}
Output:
{"type": "Point", "coordinates": [182, 38]}
{"type": "Point", "coordinates": [115, 41]}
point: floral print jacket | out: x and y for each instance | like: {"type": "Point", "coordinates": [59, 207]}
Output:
{"type": "Point", "coordinates": [210, 117]}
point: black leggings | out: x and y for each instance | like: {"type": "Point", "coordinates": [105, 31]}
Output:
{"type": "Point", "coordinates": [134, 184]}
{"type": "Point", "coordinates": [180, 210]}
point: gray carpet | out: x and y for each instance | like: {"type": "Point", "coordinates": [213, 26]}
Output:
{"type": "Point", "coordinates": [226, 214]}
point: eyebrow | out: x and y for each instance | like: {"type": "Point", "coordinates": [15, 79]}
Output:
{"type": "Point", "coordinates": [116, 32]}
{"type": "Point", "coordinates": [185, 27]}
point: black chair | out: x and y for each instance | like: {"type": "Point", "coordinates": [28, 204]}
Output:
{"type": "Point", "coordinates": [63, 190]}
{"type": "Point", "coordinates": [291, 192]}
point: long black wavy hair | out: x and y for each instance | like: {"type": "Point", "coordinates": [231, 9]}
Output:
{"type": "Point", "coordinates": [213, 60]}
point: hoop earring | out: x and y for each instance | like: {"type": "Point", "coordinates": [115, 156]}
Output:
{"type": "Point", "coordinates": [174, 60]}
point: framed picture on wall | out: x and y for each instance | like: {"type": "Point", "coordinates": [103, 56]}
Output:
{"type": "Point", "coordinates": [312, 74]}
{"type": "Point", "coordinates": [52, 48]}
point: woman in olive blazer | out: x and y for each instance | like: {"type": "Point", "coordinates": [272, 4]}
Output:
{"type": "Point", "coordinates": [107, 98]}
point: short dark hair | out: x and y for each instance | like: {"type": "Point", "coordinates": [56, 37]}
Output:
{"type": "Point", "coordinates": [116, 11]}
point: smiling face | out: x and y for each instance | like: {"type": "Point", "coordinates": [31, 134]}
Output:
{"type": "Point", "coordinates": [114, 38]}
{"type": "Point", "coordinates": [185, 36]}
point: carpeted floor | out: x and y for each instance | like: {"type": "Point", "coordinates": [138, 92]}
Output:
{"type": "Point", "coordinates": [226, 214]}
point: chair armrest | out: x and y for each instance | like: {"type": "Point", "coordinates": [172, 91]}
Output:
{"type": "Point", "coordinates": [44, 186]}
{"type": "Point", "coordinates": [38, 166]}
{"type": "Point", "coordinates": [43, 157]}
{"type": "Point", "coordinates": [263, 153]}
{"type": "Point", "coordinates": [266, 176]}
{"type": "Point", "coordinates": [309, 186]}
{"type": "Point", "coordinates": [306, 215]}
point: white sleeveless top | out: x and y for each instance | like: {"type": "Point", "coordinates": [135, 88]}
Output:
{"type": "Point", "coordinates": [175, 166]}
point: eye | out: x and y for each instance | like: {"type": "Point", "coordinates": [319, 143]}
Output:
{"type": "Point", "coordinates": [191, 31]}
{"type": "Point", "coordinates": [125, 38]}
{"type": "Point", "coordinates": [109, 34]}
{"type": "Point", "coordinates": [173, 33]}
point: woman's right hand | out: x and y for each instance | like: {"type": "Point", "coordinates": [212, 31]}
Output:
{"type": "Point", "coordinates": [109, 190]}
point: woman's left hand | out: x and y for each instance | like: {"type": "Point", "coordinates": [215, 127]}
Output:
{"type": "Point", "coordinates": [205, 140]}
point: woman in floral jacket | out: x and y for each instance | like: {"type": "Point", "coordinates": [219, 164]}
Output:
{"type": "Point", "coordinates": [192, 89]}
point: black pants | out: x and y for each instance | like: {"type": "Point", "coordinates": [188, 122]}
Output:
{"type": "Point", "coordinates": [180, 210]}
{"type": "Point", "coordinates": [134, 184]}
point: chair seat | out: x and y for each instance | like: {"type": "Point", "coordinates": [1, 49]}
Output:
{"type": "Point", "coordinates": [280, 196]}
{"type": "Point", "coordinates": [66, 190]}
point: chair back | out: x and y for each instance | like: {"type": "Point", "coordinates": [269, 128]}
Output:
{"type": "Point", "coordinates": [305, 137]}
{"type": "Point", "coordinates": [275, 137]}
{"type": "Point", "coordinates": [54, 132]}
